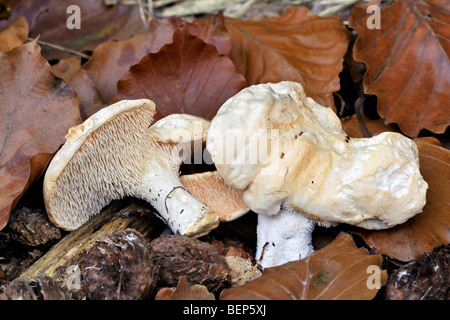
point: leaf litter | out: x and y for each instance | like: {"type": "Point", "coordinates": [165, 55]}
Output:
{"type": "Point", "coordinates": [281, 41]}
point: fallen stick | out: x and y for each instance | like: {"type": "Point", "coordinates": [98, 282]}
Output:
{"type": "Point", "coordinates": [70, 250]}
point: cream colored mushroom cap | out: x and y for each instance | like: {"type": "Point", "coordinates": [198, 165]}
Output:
{"type": "Point", "coordinates": [92, 148]}
{"type": "Point", "coordinates": [180, 128]}
{"type": "Point", "coordinates": [311, 165]}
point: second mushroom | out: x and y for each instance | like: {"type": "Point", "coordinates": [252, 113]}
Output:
{"type": "Point", "coordinates": [297, 168]}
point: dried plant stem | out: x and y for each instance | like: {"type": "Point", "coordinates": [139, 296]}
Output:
{"type": "Point", "coordinates": [56, 47]}
{"type": "Point", "coordinates": [359, 103]}
{"type": "Point", "coordinates": [335, 9]}
{"type": "Point", "coordinates": [146, 12]}
{"type": "Point", "coordinates": [243, 9]}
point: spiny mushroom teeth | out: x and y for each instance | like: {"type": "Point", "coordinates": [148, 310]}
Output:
{"type": "Point", "coordinates": [102, 160]}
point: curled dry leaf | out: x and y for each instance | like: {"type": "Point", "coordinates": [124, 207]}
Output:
{"type": "Point", "coordinates": [297, 46]}
{"type": "Point", "coordinates": [187, 76]}
{"type": "Point", "coordinates": [212, 30]}
{"type": "Point", "coordinates": [431, 227]}
{"type": "Point", "coordinates": [408, 64]}
{"type": "Point", "coordinates": [38, 109]}
{"type": "Point", "coordinates": [338, 271]}
{"type": "Point", "coordinates": [185, 292]}
{"type": "Point", "coordinates": [354, 128]}
{"type": "Point", "coordinates": [70, 70]}
{"type": "Point", "coordinates": [110, 60]}
{"type": "Point", "coordinates": [14, 34]}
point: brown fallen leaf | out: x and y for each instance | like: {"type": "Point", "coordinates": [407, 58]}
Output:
{"type": "Point", "coordinates": [297, 46]}
{"type": "Point", "coordinates": [212, 29]}
{"type": "Point", "coordinates": [430, 228]}
{"type": "Point", "coordinates": [98, 23]}
{"type": "Point", "coordinates": [70, 70]}
{"type": "Point", "coordinates": [38, 110]}
{"type": "Point", "coordinates": [185, 292]}
{"type": "Point", "coordinates": [408, 65]}
{"type": "Point", "coordinates": [14, 34]}
{"type": "Point", "coordinates": [339, 271]}
{"type": "Point", "coordinates": [186, 76]}
{"type": "Point", "coordinates": [111, 59]}
{"type": "Point", "coordinates": [353, 127]}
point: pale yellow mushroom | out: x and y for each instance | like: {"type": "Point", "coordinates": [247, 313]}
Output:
{"type": "Point", "coordinates": [114, 154]}
{"type": "Point", "coordinates": [297, 167]}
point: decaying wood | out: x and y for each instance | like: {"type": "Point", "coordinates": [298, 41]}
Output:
{"type": "Point", "coordinates": [70, 250]}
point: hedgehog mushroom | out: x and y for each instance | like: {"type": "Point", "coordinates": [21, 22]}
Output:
{"type": "Point", "coordinates": [185, 134]}
{"type": "Point", "coordinates": [114, 154]}
{"type": "Point", "coordinates": [297, 168]}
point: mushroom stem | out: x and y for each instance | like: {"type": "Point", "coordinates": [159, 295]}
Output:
{"type": "Point", "coordinates": [287, 235]}
{"type": "Point", "coordinates": [162, 188]}
{"type": "Point", "coordinates": [114, 154]}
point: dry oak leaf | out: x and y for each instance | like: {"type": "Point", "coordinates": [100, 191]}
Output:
{"type": "Point", "coordinates": [186, 76]}
{"type": "Point", "coordinates": [407, 62]}
{"type": "Point", "coordinates": [430, 228]}
{"type": "Point", "coordinates": [37, 110]}
{"type": "Point", "coordinates": [14, 34]}
{"type": "Point", "coordinates": [338, 271]}
{"type": "Point", "coordinates": [297, 46]}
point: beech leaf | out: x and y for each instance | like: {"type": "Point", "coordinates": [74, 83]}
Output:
{"type": "Point", "coordinates": [338, 271]}
{"type": "Point", "coordinates": [297, 46]}
{"type": "Point", "coordinates": [407, 62]}
{"type": "Point", "coordinates": [49, 21]}
{"type": "Point", "coordinates": [37, 110]}
{"type": "Point", "coordinates": [186, 76]}
{"type": "Point", "coordinates": [111, 59]}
